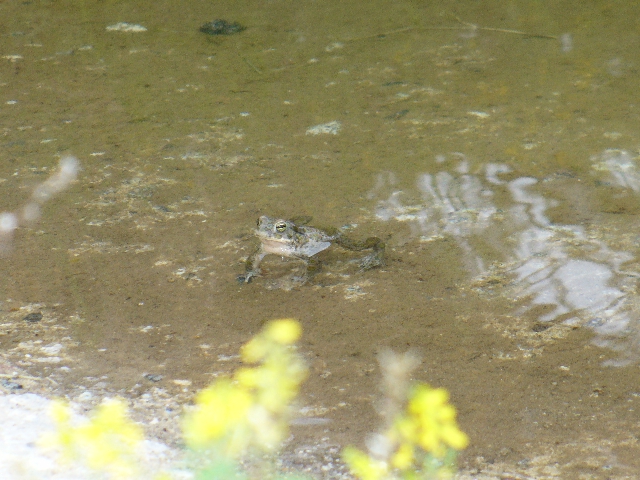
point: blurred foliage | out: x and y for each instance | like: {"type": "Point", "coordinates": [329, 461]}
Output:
{"type": "Point", "coordinates": [422, 442]}
{"type": "Point", "coordinates": [107, 442]}
{"type": "Point", "coordinates": [250, 412]}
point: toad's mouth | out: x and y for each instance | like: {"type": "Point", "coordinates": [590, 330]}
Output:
{"type": "Point", "coordinates": [279, 246]}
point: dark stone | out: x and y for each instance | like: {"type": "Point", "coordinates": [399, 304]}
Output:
{"type": "Point", "coordinates": [540, 327]}
{"type": "Point", "coordinates": [33, 317]}
{"type": "Point", "coordinates": [221, 27]}
{"type": "Point", "coordinates": [10, 385]}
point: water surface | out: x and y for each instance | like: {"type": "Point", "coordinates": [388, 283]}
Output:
{"type": "Point", "coordinates": [500, 168]}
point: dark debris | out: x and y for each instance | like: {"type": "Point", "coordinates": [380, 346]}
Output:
{"type": "Point", "coordinates": [222, 27]}
{"type": "Point", "coordinates": [8, 384]}
{"type": "Point", "coordinates": [33, 317]}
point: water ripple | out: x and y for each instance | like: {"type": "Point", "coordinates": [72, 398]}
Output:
{"type": "Point", "coordinates": [571, 269]}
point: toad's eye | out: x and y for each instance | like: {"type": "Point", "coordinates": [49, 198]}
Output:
{"type": "Point", "coordinates": [281, 227]}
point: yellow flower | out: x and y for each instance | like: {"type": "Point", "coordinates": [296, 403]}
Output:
{"type": "Point", "coordinates": [285, 331]}
{"type": "Point", "coordinates": [419, 440]}
{"type": "Point", "coordinates": [106, 442]}
{"type": "Point", "coordinates": [435, 420]}
{"type": "Point", "coordinates": [254, 409]}
{"type": "Point", "coordinates": [249, 378]}
{"type": "Point", "coordinates": [276, 335]}
{"type": "Point", "coordinates": [59, 412]}
{"type": "Point", "coordinates": [109, 437]}
{"type": "Point", "coordinates": [276, 381]}
{"type": "Point", "coordinates": [220, 413]}
{"type": "Point", "coordinates": [268, 430]}
{"type": "Point", "coordinates": [63, 438]}
{"type": "Point", "coordinates": [254, 350]}
{"type": "Point", "coordinates": [404, 457]}
{"type": "Point", "coordinates": [427, 399]}
{"type": "Point", "coordinates": [454, 437]}
{"type": "Point", "coordinates": [363, 466]}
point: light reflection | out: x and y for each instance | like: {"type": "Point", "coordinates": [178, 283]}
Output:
{"type": "Point", "coordinates": [577, 277]}
{"type": "Point", "coordinates": [620, 167]}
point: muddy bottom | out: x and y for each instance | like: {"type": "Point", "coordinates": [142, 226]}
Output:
{"type": "Point", "coordinates": [534, 397]}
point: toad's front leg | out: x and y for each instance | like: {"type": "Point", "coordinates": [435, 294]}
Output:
{"type": "Point", "coordinates": [252, 267]}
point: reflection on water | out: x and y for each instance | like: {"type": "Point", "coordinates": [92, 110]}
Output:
{"type": "Point", "coordinates": [30, 212]}
{"type": "Point", "coordinates": [576, 276]}
{"type": "Point", "coordinates": [620, 168]}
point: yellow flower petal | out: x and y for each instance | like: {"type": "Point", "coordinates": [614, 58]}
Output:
{"type": "Point", "coordinates": [221, 411]}
{"type": "Point", "coordinates": [455, 438]}
{"type": "Point", "coordinates": [254, 350]}
{"type": "Point", "coordinates": [285, 331]}
{"type": "Point", "coordinates": [362, 466]}
{"type": "Point", "coordinates": [59, 412]}
{"type": "Point", "coordinates": [404, 456]}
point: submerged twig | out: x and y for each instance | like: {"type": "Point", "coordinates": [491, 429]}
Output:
{"type": "Point", "coordinates": [466, 26]}
{"type": "Point", "coordinates": [505, 30]}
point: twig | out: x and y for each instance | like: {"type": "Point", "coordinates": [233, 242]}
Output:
{"type": "Point", "coordinates": [467, 26]}
{"type": "Point", "coordinates": [505, 30]}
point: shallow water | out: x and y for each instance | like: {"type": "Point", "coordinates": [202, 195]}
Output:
{"type": "Point", "coordinates": [501, 170]}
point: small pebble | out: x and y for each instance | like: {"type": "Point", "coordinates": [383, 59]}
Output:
{"type": "Point", "coordinates": [126, 27]}
{"type": "Point", "coordinates": [331, 128]}
{"type": "Point", "coordinates": [540, 327]}
{"type": "Point", "coordinates": [10, 385]}
{"type": "Point", "coordinates": [84, 397]}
